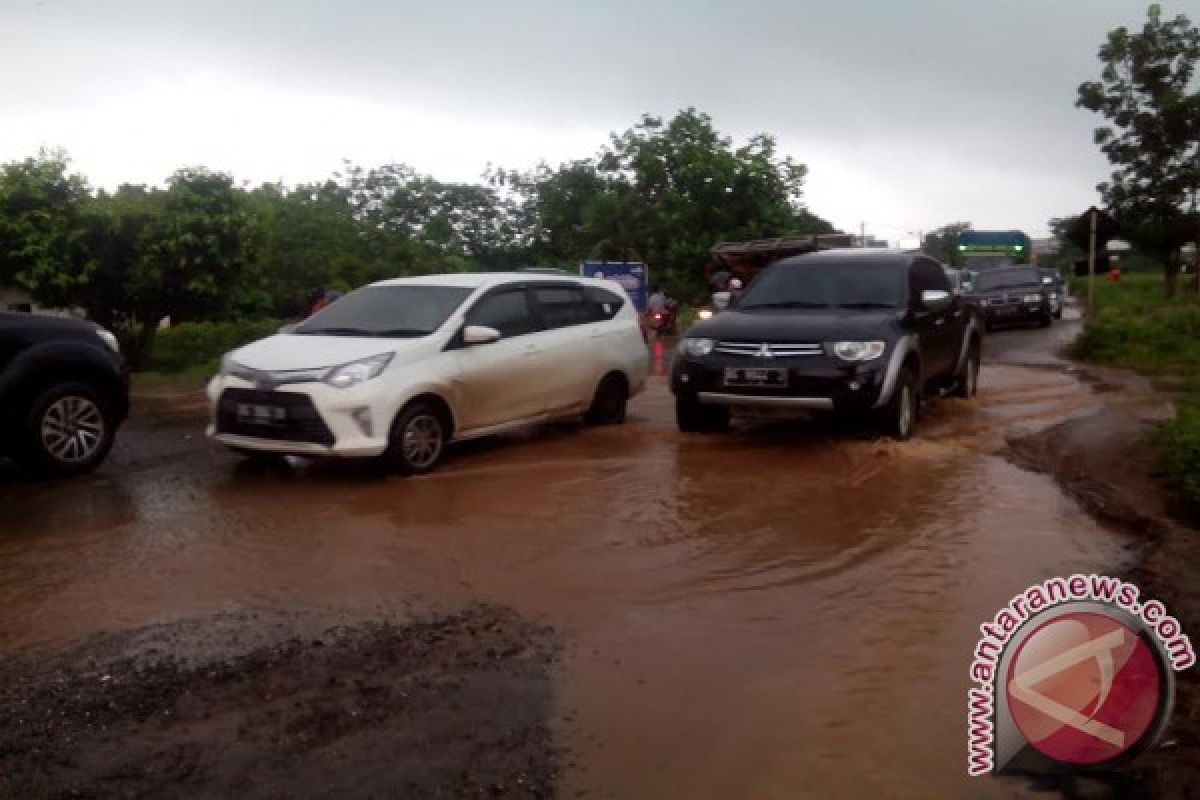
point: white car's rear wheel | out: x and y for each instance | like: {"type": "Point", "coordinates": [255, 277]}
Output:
{"type": "Point", "coordinates": [609, 403]}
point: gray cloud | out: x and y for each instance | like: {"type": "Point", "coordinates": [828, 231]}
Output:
{"type": "Point", "coordinates": [909, 114]}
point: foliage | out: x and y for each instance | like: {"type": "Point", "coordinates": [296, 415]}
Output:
{"type": "Point", "coordinates": [663, 192]}
{"type": "Point", "coordinates": [190, 343]}
{"type": "Point", "coordinates": [1152, 138]}
{"type": "Point", "coordinates": [942, 243]}
{"type": "Point", "coordinates": [43, 244]}
{"type": "Point", "coordinates": [202, 248]}
{"type": "Point", "coordinates": [1179, 443]}
{"type": "Point", "coordinates": [1131, 326]}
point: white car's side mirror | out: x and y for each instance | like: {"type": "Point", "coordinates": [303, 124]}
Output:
{"type": "Point", "coordinates": [480, 334]}
{"type": "Point", "coordinates": [721, 300]}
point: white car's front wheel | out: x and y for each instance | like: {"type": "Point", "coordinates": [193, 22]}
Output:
{"type": "Point", "coordinates": [418, 439]}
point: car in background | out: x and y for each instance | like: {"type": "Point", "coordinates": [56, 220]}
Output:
{"type": "Point", "coordinates": [867, 333]}
{"type": "Point", "coordinates": [1013, 296]}
{"type": "Point", "coordinates": [401, 368]}
{"type": "Point", "coordinates": [64, 392]}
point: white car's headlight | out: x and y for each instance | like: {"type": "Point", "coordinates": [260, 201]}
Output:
{"type": "Point", "coordinates": [857, 351]}
{"type": "Point", "coordinates": [697, 347]}
{"type": "Point", "coordinates": [109, 339]}
{"type": "Point", "coordinates": [354, 373]}
{"type": "Point", "coordinates": [1031, 298]}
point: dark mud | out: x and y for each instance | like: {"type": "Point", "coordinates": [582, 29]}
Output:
{"type": "Point", "coordinates": [1107, 462]}
{"type": "Point", "coordinates": [449, 706]}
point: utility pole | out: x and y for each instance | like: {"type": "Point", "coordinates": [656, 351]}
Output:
{"type": "Point", "coordinates": [862, 238]}
{"type": "Point", "coordinates": [1092, 262]}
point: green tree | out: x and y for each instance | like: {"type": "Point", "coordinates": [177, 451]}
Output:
{"type": "Point", "coordinates": [665, 191]}
{"type": "Point", "coordinates": [42, 228]}
{"type": "Point", "coordinates": [942, 243]}
{"type": "Point", "coordinates": [1152, 138]}
{"type": "Point", "coordinates": [192, 253]}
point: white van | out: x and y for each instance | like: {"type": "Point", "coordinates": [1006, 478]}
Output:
{"type": "Point", "coordinates": [402, 367]}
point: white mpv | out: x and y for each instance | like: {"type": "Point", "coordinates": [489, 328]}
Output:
{"type": "Point", "coordinates": [402, 367]}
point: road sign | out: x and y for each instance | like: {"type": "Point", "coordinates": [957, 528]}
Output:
{"type": "Point", "coordinates": [632, 275]}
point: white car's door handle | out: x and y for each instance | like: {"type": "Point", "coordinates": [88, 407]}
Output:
{"type": "Point", "coordinates": [532, 350]}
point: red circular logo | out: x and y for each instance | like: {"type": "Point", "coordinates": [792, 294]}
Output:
{"type": "Point", "coordinates": [1083, 688]}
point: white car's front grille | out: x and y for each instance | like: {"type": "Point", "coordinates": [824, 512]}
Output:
{"type": "Point", "coordinates": [769, 349]}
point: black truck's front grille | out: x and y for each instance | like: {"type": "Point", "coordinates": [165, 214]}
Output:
{"type": "Point", "coordinates": [769, 349]}
{"type": "Point", "coordinates": [265, 414]}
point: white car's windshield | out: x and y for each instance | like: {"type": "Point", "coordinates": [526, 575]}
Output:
{"type": "Point", "coordinates": [387, 311]}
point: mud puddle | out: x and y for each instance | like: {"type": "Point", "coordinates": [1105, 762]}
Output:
{"type": "Point", "coordinates": [779, 612]}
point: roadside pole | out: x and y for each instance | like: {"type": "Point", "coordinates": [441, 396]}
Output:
{"type": "Point", "coordinates": [1092, 263]}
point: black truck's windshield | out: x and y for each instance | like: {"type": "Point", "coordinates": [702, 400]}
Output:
{"type": "Point", "coordinates": [1007, 279]}
{"type": "Point", "coordinates": [820, 284]}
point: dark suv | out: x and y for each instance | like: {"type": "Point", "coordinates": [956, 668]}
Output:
{"type": "Point", "coordinates": [864, 332]}
{"type": "Point", "coordinates": [1014, 296]}
{"type": "Point", "coordinates": [64, 391]}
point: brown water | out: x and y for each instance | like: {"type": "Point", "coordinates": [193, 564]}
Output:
{"type": "Point", "coordinates": [779, 612]}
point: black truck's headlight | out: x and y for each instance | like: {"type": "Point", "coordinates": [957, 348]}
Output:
{"type": "Point", "coordinates": [697, 347]}
{"type": "Point", "coordinates": [857, 351]}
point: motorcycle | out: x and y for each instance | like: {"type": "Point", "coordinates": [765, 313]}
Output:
{"type": "Point", "coordinates": [660, 323]}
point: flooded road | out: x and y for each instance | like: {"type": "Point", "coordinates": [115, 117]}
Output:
{"type": "Point", "coordinates": [780, 612]}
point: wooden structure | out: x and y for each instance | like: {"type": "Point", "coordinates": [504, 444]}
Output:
{"type": "Point", "coordinates": [746, 259]}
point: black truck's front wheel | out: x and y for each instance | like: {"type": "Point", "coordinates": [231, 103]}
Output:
{"type": "Point", "coordinates": [692, 416]}
{"type": "Point", "coordinates": [898, 417]}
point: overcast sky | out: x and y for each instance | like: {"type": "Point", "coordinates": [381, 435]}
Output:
{"type": "Point", "coordinates": [909, 113]}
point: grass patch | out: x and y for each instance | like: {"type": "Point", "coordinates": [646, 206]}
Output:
{"type": "Point", "coordinates": [1179, 443]}
{"type": "Point", "coordinates": [192, 377]}
{"type": "Point", "coordinates": [1133, 326]}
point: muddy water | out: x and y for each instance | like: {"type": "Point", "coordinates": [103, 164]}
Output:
{"type": "Point", "coordinates": [780, 612]}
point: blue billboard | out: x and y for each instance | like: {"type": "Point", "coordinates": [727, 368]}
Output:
{"type": "Point", "coordinates": [632, 275]}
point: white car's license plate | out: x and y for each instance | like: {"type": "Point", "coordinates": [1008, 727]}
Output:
{"type": "Point", "coordinates": [259, 414]}
{"type": "Point", "coordinates": [755, 376]}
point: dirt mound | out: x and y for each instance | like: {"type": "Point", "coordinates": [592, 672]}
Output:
{"type": "Point", "coordinates": [452, 706]}
{"type": "Point", "coordinates": [1108, 463]}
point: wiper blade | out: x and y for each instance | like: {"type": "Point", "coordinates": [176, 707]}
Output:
{"type": "Point", "coordinates": [866, 304]}
{"type": "Point", "coordinates": [402, 332]}
{"type": "Point", "coordinates": [334, 332]}
{"type": "Point", "coordinates": [789, 304]}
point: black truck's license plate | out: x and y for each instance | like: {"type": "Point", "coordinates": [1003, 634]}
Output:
{"type": "Point", "coordinates": [258, 414]}
{"type": "Point", "coordinates": [755, 376]}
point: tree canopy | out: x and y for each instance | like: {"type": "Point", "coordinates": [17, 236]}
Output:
{"type": "Point", "coordinates": [202, 247]}
{"type": "Point", "coordinates": [1147, 94]}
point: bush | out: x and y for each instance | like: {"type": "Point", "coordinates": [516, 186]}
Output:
{"type": "Point", "coordinates": [190, 345]}
{"type": "Point", "coordinates": [1179, 442]}
{"type": "Point", "coordinates": [1133, 326]}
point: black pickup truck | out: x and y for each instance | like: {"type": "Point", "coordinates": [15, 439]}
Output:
{"type": "Point", "coordinates": [867, 333]}
{"type": "Point", "coordinates": [64, 392]}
